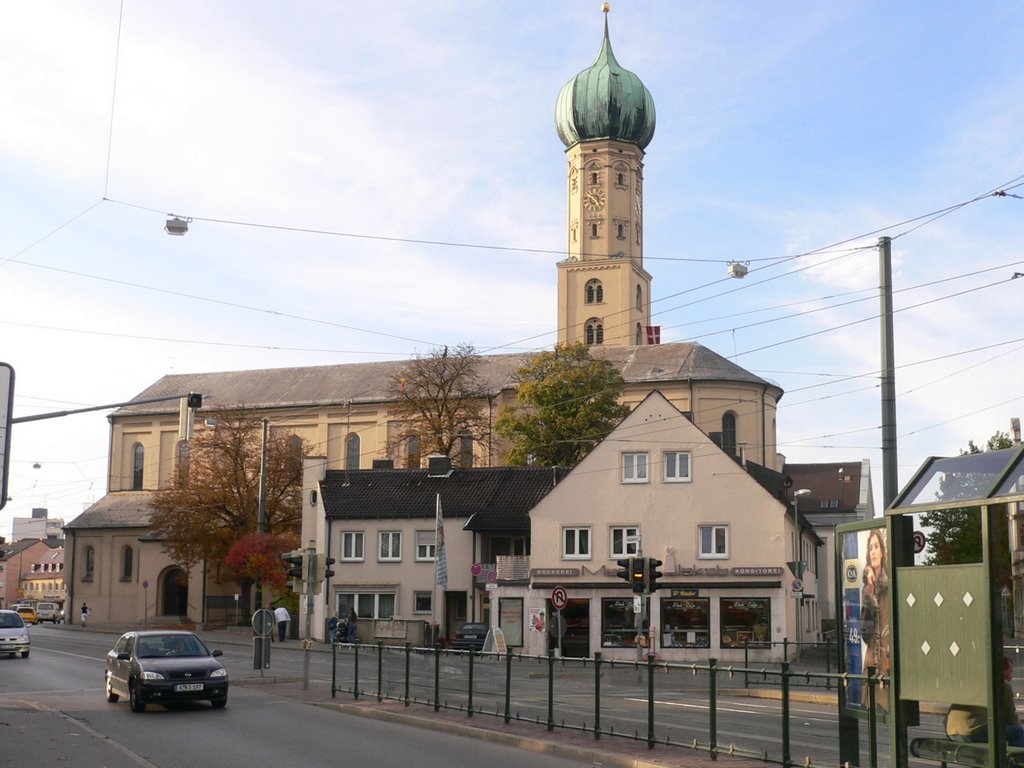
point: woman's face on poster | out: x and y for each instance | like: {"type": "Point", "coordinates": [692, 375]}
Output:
{"type": "Point", "coordinates": [875, 552]}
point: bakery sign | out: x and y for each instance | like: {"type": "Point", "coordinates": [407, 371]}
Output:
{"type": "Point", "coordinates": [534, 572]}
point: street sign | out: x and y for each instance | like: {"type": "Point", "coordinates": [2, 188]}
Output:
{"type": "Point", "coordinates": [559, 597]}
{"type": "Point", "coordinates": [919, 542]}
{"type": "Point", "coordinates": [263, 622]}
{"type": "Point", "coordinates": [798, 588]}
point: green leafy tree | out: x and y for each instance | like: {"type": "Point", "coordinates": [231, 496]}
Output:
{"type": "Point", "coordinates": [213, 504]}
{"type": "Point", "coordinates": [567, 403]}
{"type": "Point", "coordinates": [955, 535]}
{"type": "Point", "coordinates": [437, 402]}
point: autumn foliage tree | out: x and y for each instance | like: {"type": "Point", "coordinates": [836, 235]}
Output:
{"type": "Point", "coordinates": [567, 403]}
{"type": "Point", "coordinates": [211, 510]}
{"type": "Point", "coordinates": [437, 401]}
{"type": "Point", "coordinates": [256, 557]}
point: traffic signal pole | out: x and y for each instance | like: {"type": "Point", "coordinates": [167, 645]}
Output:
{"type": "Point", "coordinates": [309, 562]}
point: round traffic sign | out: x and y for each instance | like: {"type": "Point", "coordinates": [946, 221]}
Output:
{"type": "Point", "coordinates": [559, 597]}
{"type": "Point", "coordinates": [263, 622]}
{"type": "Point", "coordinates": [919, 542]}
{"type": "Point", "coordinates": [798, 586]}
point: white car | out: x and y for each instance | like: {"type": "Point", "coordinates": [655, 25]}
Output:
{"type": "Point", "coordinates": [48, 612]}
{"type": "Point", "coordinates": [14, 637]}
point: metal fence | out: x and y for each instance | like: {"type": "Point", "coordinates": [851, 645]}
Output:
{"type": "Point", "coordinates": [659, 703]}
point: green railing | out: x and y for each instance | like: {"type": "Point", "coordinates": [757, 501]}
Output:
{"type": "Point", "coordinates": [656, 702]}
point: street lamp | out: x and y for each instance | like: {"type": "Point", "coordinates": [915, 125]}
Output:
{"type": "Point", "coordinates": [797, 566]}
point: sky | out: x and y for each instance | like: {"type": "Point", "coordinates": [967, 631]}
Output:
{"type": "Point", "coordinates": [371, 180]}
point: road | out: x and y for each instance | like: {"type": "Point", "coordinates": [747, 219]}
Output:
{"type": "Point", "coordinates": [52, 710]}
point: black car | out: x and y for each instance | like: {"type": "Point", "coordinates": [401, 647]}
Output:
{"type": "Point", "coordinates": [470, 637]}
{"type": "Point", "coordinates": [163, 666]}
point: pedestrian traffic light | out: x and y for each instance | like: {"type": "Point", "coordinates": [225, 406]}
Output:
{"type": "Point", "coordinates": [296, 568]}
{"type": "Point", "coordinates": [653, 574]}
{"type": "Point", "coordinates": [625, 566]}
{"type": "Point", "coordinates": [638, 574]}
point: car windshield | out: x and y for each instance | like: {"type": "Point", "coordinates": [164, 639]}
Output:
{"type": "Point", "coordinates": [170, 645]}
{"type": "Point", "coordinates": [11, 621]}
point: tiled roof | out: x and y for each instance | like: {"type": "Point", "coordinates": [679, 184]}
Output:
{"type": "Point", "coordinates": [488, 498]}
{"type": "Point", "coordinates": [121, 509]}
{"type": "Point", "coordinates": [828, 480]}
{"type": "Point", "coordinates": [369, 382]}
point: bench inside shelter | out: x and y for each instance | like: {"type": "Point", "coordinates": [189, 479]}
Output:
{"type": "Point", "coordinates": [950, 752]}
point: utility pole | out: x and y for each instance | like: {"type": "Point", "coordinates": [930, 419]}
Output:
{"type": "Point", "coordinates": [261, 515]}
{"type": "Point", "coordinates": [889, 474]}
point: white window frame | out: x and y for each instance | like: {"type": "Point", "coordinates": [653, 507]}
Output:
{"type": "Point", "coordinates": [714, 528]}
{"type": "Point", "coordinates": [635, 470]}
{"type": "Point", "coordinates": [670, 464]}
{"type": "Point", "coordinates": [357, 542]}
{"type": "Point", "coordinates": [392, 552]}
{"type": "Point", "coordinates": [426, 546]}
{"type": "Point", "coordinates": [580, 540]}
{"type": "Point", "coordinates": [623, 533]}
{"type": "Point", "coordinates": [428, 596]}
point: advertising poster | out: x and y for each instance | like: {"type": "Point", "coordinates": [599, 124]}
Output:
{"type": "Point", "coordinates": [537, 620]}
{"type": "Point", "coordinates": [865, 610]}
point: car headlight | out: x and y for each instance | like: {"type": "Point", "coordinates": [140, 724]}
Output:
{"type": "Point", "coordinates": [219, 673]}
{"type": "Point", "coordinates": [148, 675]}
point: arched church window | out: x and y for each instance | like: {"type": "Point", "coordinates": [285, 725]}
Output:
{"type": "Point", "coordinates": [729, 433]}
{"type": "Point", "coordinates": [127, 557]}
{"type": "Point", "coordinates": [639, 335]}
{"type": "Point", "coordinates": [639, 298]}
{"type": "Point", "coordinates": [412, 452]}
{"type": "Point", "coordinates": [620, 230]}
{"type": "Point", "coordinates": [594, 332]}
{"type": "Point", "coordinates": [352, 448]}
{"type": "Point", "coordinates": [594, 292]}
{"type": "Point", "coordinates": [138, 464]}
{"type": "Point", "coordinates": [90, 563]}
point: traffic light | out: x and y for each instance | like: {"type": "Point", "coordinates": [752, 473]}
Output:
{"type": "Point", "coordinates": [625, 566]}
{"type": "Point", "coordinates": [653, 574]}
{"type": "Point", "coordinates": [296, 568]}
{"type": "Point", "coordinates": [328, 562]}
{"type": "Point", "coordinates": [638, 574]}
{"type": "Point", "coordinates": [187, 414]}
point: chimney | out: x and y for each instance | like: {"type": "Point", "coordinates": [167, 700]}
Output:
{"type": "Point", "coordinates": [439, 466]}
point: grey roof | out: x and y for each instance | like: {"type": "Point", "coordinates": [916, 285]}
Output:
{"type": "Point", "coordinates": [120, 509]}
{"type": "Point", "coordinates": [369, 382]}
{"type": "Point", "coordinates": [488, 498]}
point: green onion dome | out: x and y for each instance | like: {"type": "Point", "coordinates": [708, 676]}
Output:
{"type": "Point", "coordinates": [605, 101]}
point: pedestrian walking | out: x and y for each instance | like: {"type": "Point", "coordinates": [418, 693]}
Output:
{"type": "Point", "coordinates": [350, 633]}
{"type": "Point", "coordinates": [282, 617]}
{"type": "Point", "coordinates": [85, 614]}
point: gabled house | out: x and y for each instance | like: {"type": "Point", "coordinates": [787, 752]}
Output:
{"type": "Point", "coordinates": [660, 487]}
{"type": "Point", "coordinates": [381, 527]}
{"type": "Point", "coordinates": [18, 563]}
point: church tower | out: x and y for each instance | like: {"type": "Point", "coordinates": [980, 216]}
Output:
{"type": "Point", "coordinates": [605, 118]}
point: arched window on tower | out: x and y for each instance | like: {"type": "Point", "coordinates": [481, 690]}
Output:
{"type": "Point", "coordinates": [729, 433]}
{"type": "Point", "coordinates": [639, 335]}
{"type": "Point", "coordinates": [90, 564]}
{"type": "Point", "coordinates": [639, 298]}
{"type": "Point", "coordinates": [412, 452]}
{"type": "Point", "coordinates": [352, 448]}
{"type": "Point", "coordinates": [594, 292]}
{"type": "Point", "coordinates": [594, 332]}
{"type": "Point", "coordinates": [127, 556]}
{"type": "Point", "coordinates": [138, 464]}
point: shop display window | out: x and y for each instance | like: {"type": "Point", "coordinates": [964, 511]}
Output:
{"type": "Point", "coordinates": [746, 621]}
{"type": "Point", "coordinates": [618, 623]}
{"type": "Point", "coordinates": [685, 622]}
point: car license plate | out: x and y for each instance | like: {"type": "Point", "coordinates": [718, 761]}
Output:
{"type": "Point", "coordinates": [182, 687]}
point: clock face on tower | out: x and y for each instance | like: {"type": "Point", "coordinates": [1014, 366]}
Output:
{"type": "Point", "coordinates": [594, 199]}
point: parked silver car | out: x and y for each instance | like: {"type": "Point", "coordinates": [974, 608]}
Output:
{"type": "Point", "coordinates": [14, 637]}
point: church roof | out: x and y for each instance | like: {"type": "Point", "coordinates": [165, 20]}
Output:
{"type": "Point", "coordinates": [120, 509]}
{"type": "Point", "coordinates": [370, 382]}
{"type": "Point", "coordinates": [605, 101]}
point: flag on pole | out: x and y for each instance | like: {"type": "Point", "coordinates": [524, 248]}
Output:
{"type": "Point", "coordinates": [440, 557]}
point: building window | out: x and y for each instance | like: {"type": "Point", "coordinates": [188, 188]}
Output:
{"type": "Point", "coordinates": [90, 564]}
{"type": "Point", "coordinates": [639, 335]}
{"type": "Point", "coordinates": [183, 461]}
{"type": "Point", "coordinates": [620, 179]}
{"type": "Point", "coordinates": [576, 543]}
{"type": "Point", "coordinates": [745, 621]}
{"type": "Point", "coordinates": [352, 545]}
{"type": "Point", "coordinates": [390, 546]}
{"type": "Point", "coordinates": [594, 292]}
{"type": "Point", "coordinates": [729, 433]}
{"type": "Point", "coordinates": [352, 448]}
{"type": "Point", "coordinates": [634, 468]}
{"type": "Point", "coordinates": [618, 622]}
{"type": "Point", "coordinates": [639, 298]}
{"type": "Point", "coordinates": [620, 231]}
{"type": "Point", "coordinates": [412, 452]}
{"type": "Point", "coordinates": [594, 231]}
{"type": "Point", "coordinates": [138, 463]}
{"type": "Point", "coordinates": [127, 556]}
{"type": "Point", "coordinates": [594, 332]}
{"type": "Point", "coordinates": [426, 545]}
{"type": "Point", "coordinates": [595, 177]}
{"type": "Point", "coordinates": [422, 602]}
{"type": "Point", "coordinates": [714, 541]}
{"type": "Point", "coordinates": [686, 623]}
{"type": "Point", "coordinates": [624, 541]}
{"type": "Point", "coordinates": [466, 450]}
{"type": "Point", "coordinates": [367, 605]}
{"type": "Point", "coordinates": [677, 467]}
